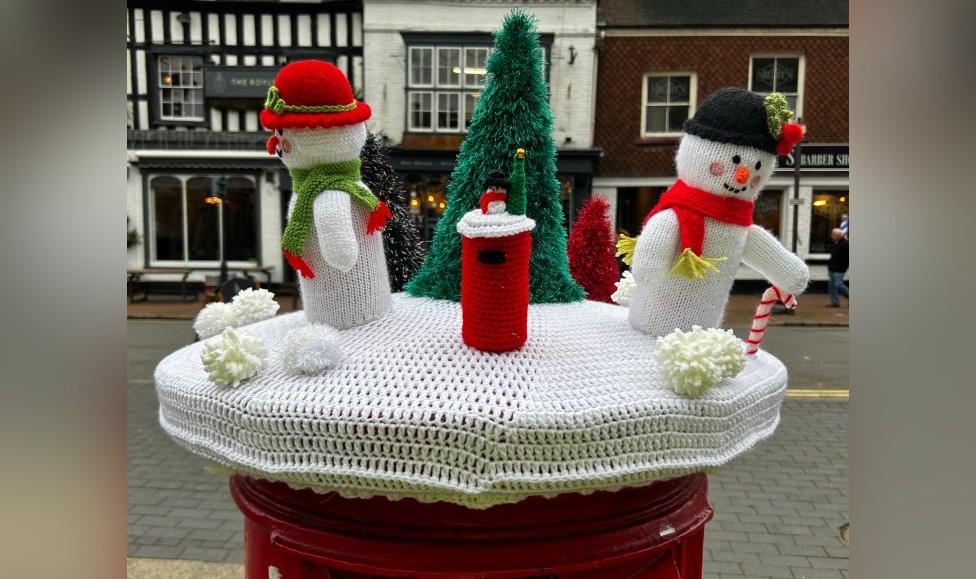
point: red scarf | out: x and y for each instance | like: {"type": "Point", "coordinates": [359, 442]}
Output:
{"type": "Point", "coordinates": [692, 206]}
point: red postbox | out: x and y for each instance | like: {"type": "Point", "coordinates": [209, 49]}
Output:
{"type": "Point", "coordinates": [495, 250]}
{"type": "Point", "coordinates": [649, 532]}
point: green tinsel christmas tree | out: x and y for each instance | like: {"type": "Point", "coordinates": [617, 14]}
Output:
{"type": "Point", "coordinates": [401, 240]}
{"type": "Point", "coordinates": [513, 112]}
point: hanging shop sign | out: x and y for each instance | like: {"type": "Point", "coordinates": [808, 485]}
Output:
{"type": "Point", "coordinates": [238, 81]}
{"type": "Point", "coordinates": [817, 157]}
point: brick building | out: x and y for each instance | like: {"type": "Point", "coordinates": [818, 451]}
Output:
{"type": "Point", "coordinates": [658, 60]}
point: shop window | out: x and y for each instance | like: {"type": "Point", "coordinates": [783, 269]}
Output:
{"type": "Point", "coordinates": [828, 210]}
{"type": "Point", "coordinates": [428, 201]}
{"type": "Point", "coordinates": [769, 210]}
{"type": "Point", "coordinates": [669, 101]}
{"type": "Point", "coordinates": [633, 205]}
{"type": "Point", "coordinates": [782, 74]}
{"type": "Point", "coordinates": [180, 81]}
{"type": "Point", "coordinates": [187, 225]}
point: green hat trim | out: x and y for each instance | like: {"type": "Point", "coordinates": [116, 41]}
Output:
{"type": "Point", "coordinates": [277, 104]}
{"type": "Point", "coordinates": [778, 113]}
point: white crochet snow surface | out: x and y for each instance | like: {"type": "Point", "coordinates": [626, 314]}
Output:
{"type": "Point", "coordinates": [410, 411]}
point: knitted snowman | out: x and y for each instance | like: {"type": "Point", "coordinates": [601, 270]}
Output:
{"type": "Point", "coordinates": [701, 229]}
{"type": "Point", "coordinates": [332, 237]}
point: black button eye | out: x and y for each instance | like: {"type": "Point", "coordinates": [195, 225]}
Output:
{"type": "Point", "coordinates": [736, 159]}
{"type": "Point", "coordinates": [758, 165]}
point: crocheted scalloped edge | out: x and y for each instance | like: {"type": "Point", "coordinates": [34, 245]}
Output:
{"type": "Point", "coordinates": [483, 499]}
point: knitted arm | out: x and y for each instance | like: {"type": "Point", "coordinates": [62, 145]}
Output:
{"type": "Point", "coordinates": [657, 247]}
{"type": "Point", "coordinates": [332, 212]}
{"type": "Point", "coordinates": [765, 254]}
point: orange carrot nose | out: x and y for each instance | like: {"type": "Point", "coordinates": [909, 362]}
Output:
{"type": "Point", "coordinates": [741, 175]}
{"type": "Point", "coordinates": [272, 144]}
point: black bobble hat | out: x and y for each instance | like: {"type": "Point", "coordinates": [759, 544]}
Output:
{"type": "Point", "coordinates": [733, 115]}
{"type": "Point", "coordinates": [496, 179]}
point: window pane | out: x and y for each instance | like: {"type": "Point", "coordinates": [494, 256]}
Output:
{"type": "Point", "coordinates": [656, 120]}
{"type": "Point", "coordinates": [680, 89]}
{"type": "Point", "coordinates": [448, 111]}
{"type": "Point", "coordinates": [240, 220]}
{"type": "Point", "coordinates": [202, 220]}
{"type": "Point", "coordinates": [420, 110]}
{"type": "Point", "coordinates": [474, 66]}
{"type": "Point", "coordinates": [181, 81]}
{"type": "Point", "coordinates": [470, 103]}
{"type": "Point", "coordinates": [421, 63]}
{"type": "Point", "coordinates": [827, 212]}
{"type": "Point", "coordinates": [767, 212]}
{"type": "Point", "coordinates": [763, 73]}
{"type": "Point", "coordinates": [448, 66]}
{"type": "Point", "coordinates": [676, 118]}
{"type": "Point", "coordinates": [787, 74]}
{"type": "Point", "coordinates": [167, 218]}
{"type": "Point", "coordinates": [791, 101]}
{"type": "Point", "coordinates": [657, 89]}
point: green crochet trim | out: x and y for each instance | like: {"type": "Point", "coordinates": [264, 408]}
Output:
{"type": "Point", "coordinates": [778, 113]}
{"type": "Point", "coordinates": [307, 184]}
{"type": "Point", "coordinates": [275, 103]}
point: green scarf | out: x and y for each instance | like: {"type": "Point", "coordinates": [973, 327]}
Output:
{"type": "Point", "coordinates": [307, 184]}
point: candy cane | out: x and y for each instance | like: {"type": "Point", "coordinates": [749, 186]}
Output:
{"type": "Point", "coordinates": [761, 319]}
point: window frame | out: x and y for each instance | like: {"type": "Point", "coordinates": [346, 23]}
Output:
{"type": "Point", "coordinates": [463, 43]}
{"type": "Point", "coordinates": [159, 88]}
{"type": "Point", "coordinates": [153, 88]}
{"type": "Point", "coordinates": [150, 221]}
{"type": "Point", "coordinates": [692, 100]}
{"type": "Point", "coordinates": [800, 75]}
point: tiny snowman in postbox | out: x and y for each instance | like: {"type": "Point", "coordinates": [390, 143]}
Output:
{"type": "Point", "coordinates": [496, 244]}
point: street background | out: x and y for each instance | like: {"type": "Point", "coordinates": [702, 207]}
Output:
{"type": "Point", "coordinates": [778, 509]}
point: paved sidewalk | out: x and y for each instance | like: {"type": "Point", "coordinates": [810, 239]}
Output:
{"type": "Point", "coordinates": [777, 509]}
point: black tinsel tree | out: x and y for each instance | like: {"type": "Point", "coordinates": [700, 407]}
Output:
{"type": "Point", "coordinates": [401, 240]}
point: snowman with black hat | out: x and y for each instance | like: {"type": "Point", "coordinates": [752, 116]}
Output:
{"type": "Point", "coordinates": [701, 229]}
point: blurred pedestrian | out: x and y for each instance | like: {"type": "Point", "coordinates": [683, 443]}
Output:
{"type": "Point", "coordinates": [844, 225]}
{"type": "Point", "coordinates": [837, 267]}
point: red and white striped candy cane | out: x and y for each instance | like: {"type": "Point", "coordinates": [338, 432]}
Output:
{"type": "Point", "coordinates": [761, 319]}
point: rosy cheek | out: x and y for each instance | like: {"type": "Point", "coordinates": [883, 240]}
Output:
{"type": "Point", "coordinates": [755, 180]}
{"type": "Point", "coordinates": [716, 168]}
{"type": "Point", "coordinates": [286, 145]}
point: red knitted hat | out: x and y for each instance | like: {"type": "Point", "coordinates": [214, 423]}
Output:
{"type": "Point", "coordinates": [311, 94]}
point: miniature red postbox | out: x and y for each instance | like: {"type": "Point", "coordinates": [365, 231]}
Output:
{"type": "Point", "coordinates": [495, 249]}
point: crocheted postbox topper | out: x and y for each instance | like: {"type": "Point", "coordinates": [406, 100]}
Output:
{"type": "Point", "coordinates": [495, 249]}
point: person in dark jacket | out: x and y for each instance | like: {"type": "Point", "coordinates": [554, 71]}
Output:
{"type": "Point", "coordinates": [837, 267]}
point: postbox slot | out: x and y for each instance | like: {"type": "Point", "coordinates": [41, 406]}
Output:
{"type": "Point", "coordinates": [491, 256]}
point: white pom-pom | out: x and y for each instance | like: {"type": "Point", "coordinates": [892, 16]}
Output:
{"type": "Point", "coordinates": [232, 358]}
{"type": "Point", "coordinates": [311, 348]}
{"type": "Point", "coordinates": [214, 318]}
{"type": "Point", "coordinates": [625, 289]}
{"type": "Point", "coordinates": [254, 305]}
{"type": "Point", "coordinates": [694, 361]}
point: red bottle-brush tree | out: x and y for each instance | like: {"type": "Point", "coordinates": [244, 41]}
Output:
{"type": "Point", "coordinates": [591, 251]}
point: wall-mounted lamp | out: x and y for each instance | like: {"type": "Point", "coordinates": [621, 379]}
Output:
{"type": "Point", "coordinates": [572, 55]}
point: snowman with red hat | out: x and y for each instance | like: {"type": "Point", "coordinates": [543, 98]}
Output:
{"type": "Point", "coordinates": [333, 233]}
{"type": "Point", "coordinates": [694, 239]}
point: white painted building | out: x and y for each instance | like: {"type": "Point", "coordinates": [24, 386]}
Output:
{"type": "Point", "coordinates": [423, 75]}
